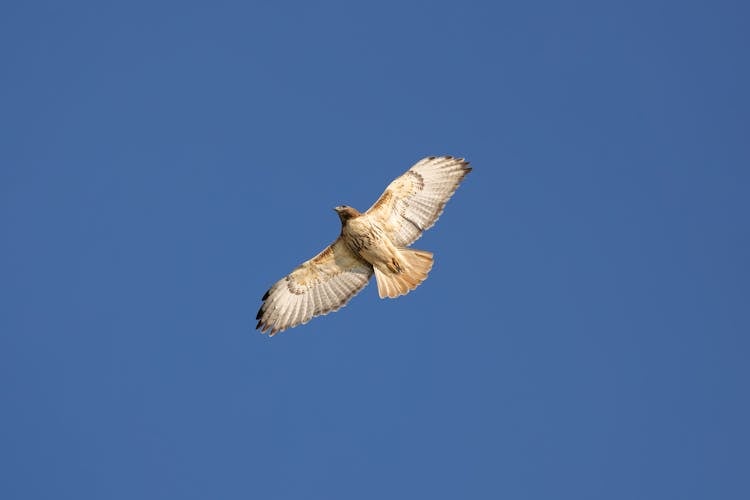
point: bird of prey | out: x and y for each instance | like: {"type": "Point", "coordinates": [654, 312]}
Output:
{"type": "Point", "coordinates": [372, 242]}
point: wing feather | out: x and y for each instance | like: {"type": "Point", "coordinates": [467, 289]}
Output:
{"type": "Point", "coordinates": [321, 285]}
{"type": "Point", "coordinates": [332, 298]}
{"type": "Point", "coordinates": [338, 290]}
{"type": "Point", "coordinates": [413, 202]}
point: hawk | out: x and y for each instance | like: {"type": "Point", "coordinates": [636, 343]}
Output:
{"type": "Point", "coordinates": [372, 242]}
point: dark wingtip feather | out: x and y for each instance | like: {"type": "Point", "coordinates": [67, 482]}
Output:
{"type": "Point", "coordinates": [265, 295]}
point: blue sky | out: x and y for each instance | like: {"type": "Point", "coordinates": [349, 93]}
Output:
{"type": "Point", "coordinates": [583, 334]}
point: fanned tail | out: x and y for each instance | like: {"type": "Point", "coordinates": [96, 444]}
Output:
{"type": "Point", "coordinates": [415, 266]}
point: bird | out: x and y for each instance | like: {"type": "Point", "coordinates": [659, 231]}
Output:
{"type": "Point", "coordinates": [374, 242]}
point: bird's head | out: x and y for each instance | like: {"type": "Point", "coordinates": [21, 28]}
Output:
{"type": "Point", "coordinates": [346, 213]}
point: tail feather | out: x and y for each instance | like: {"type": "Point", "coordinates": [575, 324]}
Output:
{"type": "Point", "coordinates": [415, 266]}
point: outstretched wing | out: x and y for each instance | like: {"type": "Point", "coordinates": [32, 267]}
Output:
{"type": "Point", "coordinates": [414, 201]}
{"type": "Point", "coordinates": [321, 285]}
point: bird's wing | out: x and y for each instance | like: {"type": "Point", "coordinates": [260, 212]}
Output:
{"type": "Point", "coordinates": [414, 201]}
{"type": "Point", "coordinates": [321, 285]}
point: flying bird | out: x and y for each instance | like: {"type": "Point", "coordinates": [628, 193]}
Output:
{"type": "Point", "coordinates": [372, 242]}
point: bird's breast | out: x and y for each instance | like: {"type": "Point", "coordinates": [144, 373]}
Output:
{"type": "Point", "coordinates": [361, 235]}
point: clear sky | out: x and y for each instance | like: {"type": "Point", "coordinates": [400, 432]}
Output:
{"type": "Point", "coordinates": [583, 334]}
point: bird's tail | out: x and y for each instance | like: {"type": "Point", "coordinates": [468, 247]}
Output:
{"type": "Point", "coordinates": [414, 266]}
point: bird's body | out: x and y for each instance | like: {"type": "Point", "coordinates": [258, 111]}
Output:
{"type": "Point", "coordinates": [371, 242]}
{"type": "Point", "coordinates": [395, 272]}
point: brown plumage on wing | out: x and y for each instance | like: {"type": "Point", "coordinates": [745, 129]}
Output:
{"type": "Point", "coordinates": [375, 241]}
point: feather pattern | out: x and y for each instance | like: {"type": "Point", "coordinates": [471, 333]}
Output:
{"type": "Point", "coordinates": [308, 290]}
{"type": "Point", "coordinates": [412, 203]}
